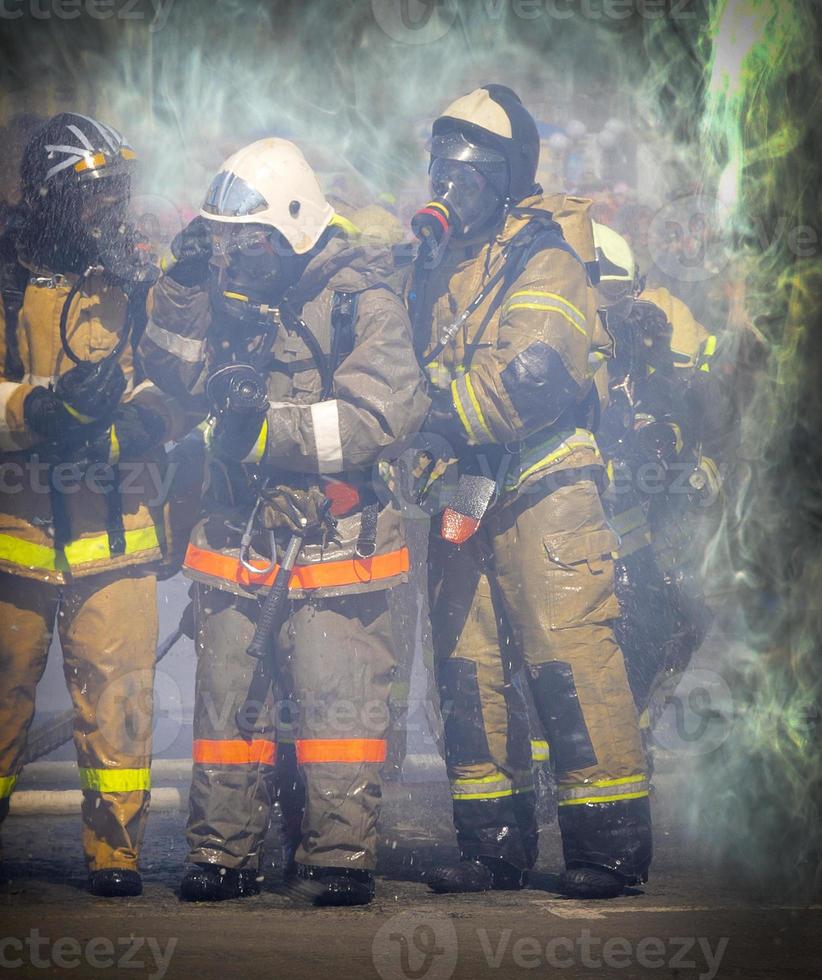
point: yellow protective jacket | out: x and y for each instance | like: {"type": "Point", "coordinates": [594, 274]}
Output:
{"type": "Point", "coordinates": [522, 377]}
{"type": "Point", "coordinates": [96, 320]}
{"type": "Point", "coordinates": [692, 345]}
{"type": "Point", "coordinates": [378, 399]}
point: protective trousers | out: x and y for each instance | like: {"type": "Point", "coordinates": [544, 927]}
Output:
{"type": "Point", "coordinates": [107, 626]}
{"type": "Point", "coordinates": [534, 588]}
{"type": "Point", "coordinates": [328, 679]}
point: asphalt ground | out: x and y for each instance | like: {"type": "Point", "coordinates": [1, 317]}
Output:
{"type": "Point", "coordinates": [693, 919]}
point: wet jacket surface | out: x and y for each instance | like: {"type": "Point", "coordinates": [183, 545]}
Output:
{"type": "Point", "coordinates": [520, 368]}
{"type": "Point", "coordinates": [96, 319]}
{"type": "Point", "coordinates": [377, 400]}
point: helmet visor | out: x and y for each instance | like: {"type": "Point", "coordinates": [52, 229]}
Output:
{"type": "Point", "coordinates": [456, 146]}
{"type": "Point", "coordinates": [231, 197]}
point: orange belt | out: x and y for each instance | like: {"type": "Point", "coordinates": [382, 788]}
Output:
{"type": "Point", "coordinates": [329, 574]}
{"type": "Point", "coordinates": [234, 752]}
{"type": "Point", "coordinates": [341, 750]}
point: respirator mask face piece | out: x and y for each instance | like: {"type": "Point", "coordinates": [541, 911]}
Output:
{"type": "Point", "coordinates": [469, 184]}
{"type": "Point", "coordinates": [253, 260]}
{"type": "Point", "coordinates": [469, 194]}
{"type": "Point", "coordinates": [617, 297]}
{"type": "Point", "coordinates": [252, 267]}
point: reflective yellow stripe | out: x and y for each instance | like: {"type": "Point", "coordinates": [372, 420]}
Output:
{"type": "Point", "coordinates": [455, 396]}
{"type": "Point", "coordinates": [438, 206]}
{"type": "Point", "coordinates": [114, 447]}
{"type": "Point", "coordinates": [468, 788]}
{"type": "Point", "coordinates": [548, 309]}
{"type": "Point", "coordinates": [604, 799]}
{"type": "Point", "coordinates": [84, 419]}
{"type": "Point", "coordinates": [258, 449]}
{"type": "Point", "coordinates": [527, 293]}
{"type": "Point", "coordinates": [574, 795]}
{"type": "Point", "coordinates": [580, 439]}
{"type": "Point", "coordinates": [708, 351]}
{"type": "Point", "coordinates": [18, 552]}
{"type": "Point", "coordinates": [115, 780]}
{"type": "Point", "coordinates": [469, 387]}
{"type": "Point", "coordinates": [468, 407]}
{"type": "Point", "coordinates": [7, 784]}
{"type": "Point", "coordinates": [240, 296]}
{"type": "Point", "coordinates": [93, 549]}
{"type": "Point", "coordinates": [540, 750]}
{"type": "Point", "coordinates": [604, 783]}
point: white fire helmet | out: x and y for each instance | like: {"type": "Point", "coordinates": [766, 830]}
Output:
{"type": "Point", "coordinates": [618, 278]}
{"type": "Point", "coordinates": [270, 183]}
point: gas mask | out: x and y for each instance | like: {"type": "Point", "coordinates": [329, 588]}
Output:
{"type": "Point", "coordinates": [86, 225]}
{"type": "Point", "coordinates": [252, 267]}
{"type": "Point", "coordinates": [469, 184]}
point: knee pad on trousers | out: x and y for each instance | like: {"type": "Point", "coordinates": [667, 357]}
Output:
{"type": "Point", "coordinates": [466, 741]}
{"type": "Point", "coordinates": [616, 836]}
{"type": "Point", "coordinates": [504, 828]}
{"type": "Point", "coordinates": [558, 707]}
{"type": "Point", "coordinates": [518, 738]}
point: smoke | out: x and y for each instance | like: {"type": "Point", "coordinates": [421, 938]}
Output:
{"type": "Point", "coordinates": [721, 95]}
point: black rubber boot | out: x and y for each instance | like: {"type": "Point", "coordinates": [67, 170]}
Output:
{"type": "Point", "coordinates": [337, 886]}
{"type": "Point", "coordinates": [590, 883]}
{"type": "Point", "coordinates": [481, 875]}
{"type": "Point", "coordinates": [213, 883]}
{"type": "Point", "coordinates": [115, 883]}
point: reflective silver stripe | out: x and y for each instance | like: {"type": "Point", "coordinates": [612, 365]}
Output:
{"type": "Point", "coordinates": [463, 392]}
{"type": "Point", "coordinates": [487, 788]}
{"type": "Point", "coordinates": [325, 417]}
{"type": "Point", "coordinates": [606, 790]}
{"type": "Point", "coordinates": [185, 348]}
{"type": "Point", "coordinates": [62, 166]}
{"type": "Point", "coordinates": [7, 389]}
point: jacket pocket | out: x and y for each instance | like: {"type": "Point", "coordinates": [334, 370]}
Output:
{"type": "Point", "coordinates": [581, 577]}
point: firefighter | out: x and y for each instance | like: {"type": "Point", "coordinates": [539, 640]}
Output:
{"type": "Point", "coordinates": [81, 513]}
{"type": "Point", "coordinates": [505, 322]}
{"type": "Point", "coordinates": [660, 433]}
{"type": "Point", "coordinates": [268, 292]}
